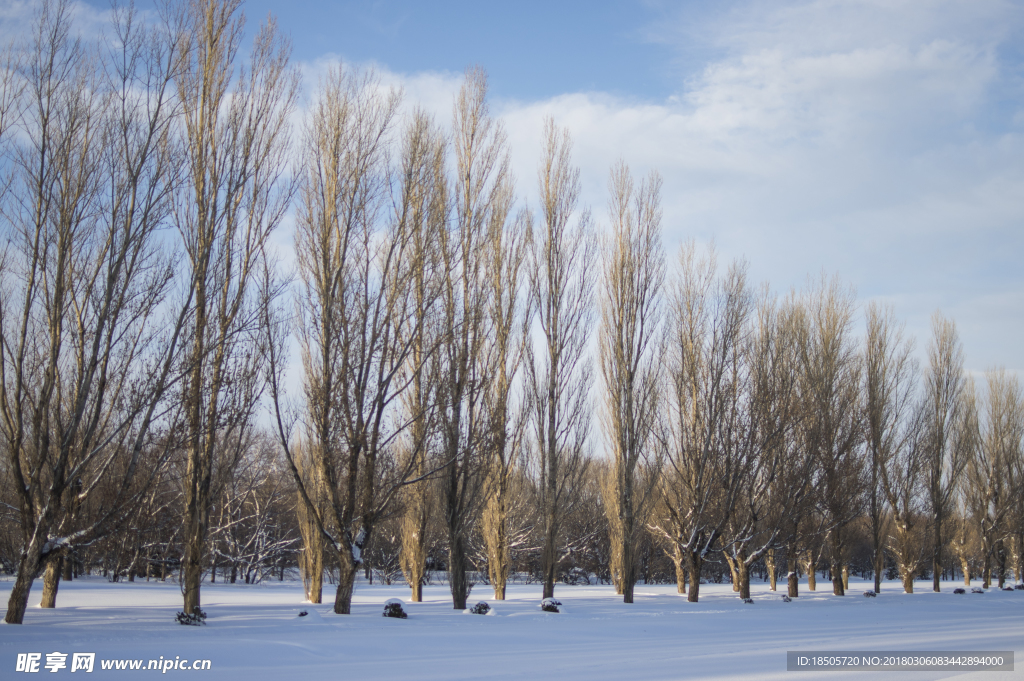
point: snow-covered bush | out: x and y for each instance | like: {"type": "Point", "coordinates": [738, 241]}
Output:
{"type": "Point", "coordinates": [393, 607]}
{"type": "Point", "coordinates": [786, 599]}
{"type": "Point", "coordinates": [1018, 587]}
{"type": "Point", "coordinates": [196, 618]}
{"type": "Point", "coordinates": [748, 601]}
{"type": "Point", "coordinates": [480, 608]}
{"type": "Point", "coordinates": [869, 594]}
{"type": "Point", "coordinates": [550, 605]}
{"type": "Point", "coordinates": [959, 591]}
{"type": "Point", "coordinates": [977, 590]}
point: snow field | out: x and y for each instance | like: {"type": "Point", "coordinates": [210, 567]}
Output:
{"type": "Point", "coordinates": [255, 633]}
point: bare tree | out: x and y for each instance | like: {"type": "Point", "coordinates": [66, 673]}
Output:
{"type": "Point", "coordinates": [990, 486]}
{"type": "Point", "coordinates": [559, 371]}
{"type": "Point", "coordinates": [630, 346]}
{"type": "Point", "coordinates": [424, 186]}
{"type": "Point", "coordinates": [762, 430]}
{"type": "Point", "coordinates": [889, 386]}
{"type": "Point", "coordinates": [708, 314]}
{"type": "Point", "coordinates": [834, 417]}
{"type": "Point", "coordinates": [507, 248]}
{"type": "Point", "coordinates": [236, 143]}
{"type": "Point", "coordinates": [358, 261]}
{"type": "Point", "coordinates": [84, 361]}
{"type": "Point", "coordinates": [950, 438]}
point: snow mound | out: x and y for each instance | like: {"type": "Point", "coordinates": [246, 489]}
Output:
{"type": "Point", "coordinates": [552, 605]}
{"type": "Point", "coordinates": [307, 616]}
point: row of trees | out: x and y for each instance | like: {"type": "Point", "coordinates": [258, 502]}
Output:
{"type": "Point", "coordinates": [455, 347]}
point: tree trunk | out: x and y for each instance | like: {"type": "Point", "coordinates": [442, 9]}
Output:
{"type": "Point", "coordinates": [28, 567]}
{"type": "Point", "coordinates": [548, 565]}
{"type": "Point", "coordinates": [694, 565]}
{"type": "Point", "coordinates": [743, 574]}
{"type": "Point", "coordinates": [810, 567]}
{"type": "Point", "coordinates": [792, 576]}
{"type": "Point", "coordinates": [846, 576]}
{"type": "Point", "coordinates": [192, 565]}
{"type": "Point", "coordinates": [907, 576]}
{"type": "Point", "coordinates": [314, 577]}
{"type": "Point", "coordinates": [1001, 563]}
{"type": "Point", "coordinates": [769, 562]}
{"type": "Point", "coordinates": [837, 578]}
{"type": "Point", "coordinates": [965, 567]}
{"type": "Point", "coordinates": [678, 561]}
{"type": "Point", "coordinates": [69, 563]}
{"type": "Point", "coordinates": [51, 581]}
{"type": "Point", "coordinates": [878, 567]}
{"type": "Point", "coordinates": [495, 530]}
{"type": "Point", "coordinates": [936, 556]}
{"type": "Point", "coordinates": [628, 563]}
{"type": "Point", "coordinates": [347, 570]}
{"type": "Point", "coordinates": [732, 572]}
{"type": "Point", "coordinates": [457, 574]}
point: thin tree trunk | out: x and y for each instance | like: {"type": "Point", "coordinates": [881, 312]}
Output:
{"type": "Point", "coordinates": [769, 562]}
{"type": "Point", "coordinates": [549, 563]}
{"type": "Point", "coordinates": [679, 562]}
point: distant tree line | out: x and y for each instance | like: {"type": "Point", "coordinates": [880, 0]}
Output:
{"type": "Point", "coordinates": [489, 392]}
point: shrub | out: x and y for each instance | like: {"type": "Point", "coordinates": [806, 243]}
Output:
{"type": "Point", "coordinates": [959, 591]}
{"type": "Point", "coordinates": [393, 608]}
{"type": "Point", "coordinates": [480, 608]}
{"type": "Point", "coordinates": [869, 594]}
{"type": "Point", "coordinates": [977, 590]}
{"type": "Point", "coordinates": [550, 605]}
{"type": "Point", "coordinates": [195, 619]}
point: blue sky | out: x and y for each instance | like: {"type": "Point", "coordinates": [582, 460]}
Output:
{"type": "Point", "coordinates": [531, 49]}
{"type": "Point", "coordinates": [880, 140]}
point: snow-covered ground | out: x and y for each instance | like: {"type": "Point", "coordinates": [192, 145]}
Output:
{"type": "Point", "coordinates": [254, 633]}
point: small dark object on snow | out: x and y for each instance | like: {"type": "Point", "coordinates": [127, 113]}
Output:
{"type": "Point", "coordinates": [959, 591]}
{"type": "Point", "coordinates": [1007, 588]}
{"type": "Point", "coordinates": [1018, 587]}
{"type": "Point", "coordinates": [394, 610]}
{"type": "Point", "coordinates": [748, 601]}
{"type": "Point", "coordinates": [197, 618]}
{"type": "Point", "coordinates": [869, 594]}
{"type": "Point", "coordinates": [786, 599]}
{"type": "Point", "coordinates": [976, 590]}
{"type": "Point", "coordinates": [303, 613]}
{"type": "Point", "coordinates": [480, 608]}
{"type": "Point", "coordinates": [550, 605]}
